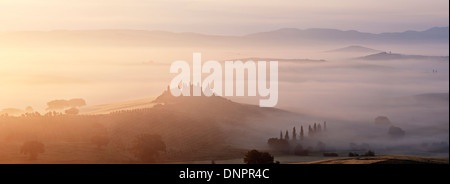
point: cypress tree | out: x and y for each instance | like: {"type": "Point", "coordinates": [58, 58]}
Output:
{"type": "Point", "coordinates": [310, 132]}
{"type": "Point", "coordinates": [294, 134]}
{"type": "Point", "coordinates": [301, 133]}
{"type": "Point", "coordinates": [286, 136]}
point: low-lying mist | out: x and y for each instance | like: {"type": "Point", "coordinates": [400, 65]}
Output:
{"type": "Point", "coordinates": [345, 92]}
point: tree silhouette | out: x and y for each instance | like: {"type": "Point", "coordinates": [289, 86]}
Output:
{"type": "Point", "coordinates": [62, 104]}
{"type": "Point", "coordinates": [286, 136]}
{"type": "Point", "coordinates": [396, 132]}
{"type": "Point", "coordinates": [330, 154]}
{"type": "Point", "coordinates": [281, 134]}
{"type": "Point", "coordinates": [29, 109]}
{"type": "Point", "coordinates": [315, 128]}
{"type": "Point", "coordinates": [310, 131]}
{"type": "Point", "coordinates": [370, 153]}
{"type": "Point", "coordinates": [382, 120]}
{"type": "Point", "coordinates": [76, 102]}
{"type": "Point", "coordinates": [298, 150]}
{"type": "Point", "coordinates": [57, 104]}
{"type": "Point", "coordinates": [278, 144]}
{"type": "Point", "coordinates": [294, 134]}
{"type": "Point", "coordinates": [351, 154]}
{"type": "Point", "coordinates": [32, 148]}
{"type": "Point", "coordinates": [301, 133]}
{"type": "Point", "coordinates": [256, 157]}
{"type": "Point", "coordinates": [147, 147]}
{"type": "Point", "coordinates": [72, 111]}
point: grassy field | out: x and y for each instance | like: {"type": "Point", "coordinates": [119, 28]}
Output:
{"type": "Point", "coordinates": [65, 153]}
{"type": "Point", "coordinates": [384, 159]}
{"type": "Point", "coordinates": [86, 153]}
{"type": "Point", "coordinates": [283, 159]}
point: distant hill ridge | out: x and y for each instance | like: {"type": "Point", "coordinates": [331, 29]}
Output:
{"type": "Point", "coordinates": [435, 34]}
{"type": "Point", "coordinates": [285, 36]}
{"type": "Point", "coordinates": [355, 48]}
{"type": "Point", "coordinates": [393, 56]}
{"type": "Point", "coordinates": [275, 59]}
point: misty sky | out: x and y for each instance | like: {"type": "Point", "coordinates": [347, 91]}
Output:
{"type": "Point", "coordinates": [223, 16]}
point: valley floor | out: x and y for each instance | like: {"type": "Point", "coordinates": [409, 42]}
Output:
{"type": "Point", "coordinates": [85, 153]}
{"type": "Point", "coordinates": [384, 159]}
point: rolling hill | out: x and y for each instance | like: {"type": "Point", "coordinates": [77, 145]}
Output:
{"type": "Point", "coordinates": [119, 106]}
{"type": "Point", "coordinates": [193, 128]}
{"type": "Point", "coordinates": [355, 48]}
{"type": "Point", "coordinates": [201, 126]}
{"type": "Point", "coordinates": [395, 56]}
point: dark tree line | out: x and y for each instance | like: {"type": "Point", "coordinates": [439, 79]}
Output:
{"type": "Point", "coordinates": [290, 142]}
{"type": "Point", "coordinates": [316, 129]}
{"type": "Point", "coordinates": [257, 157]}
